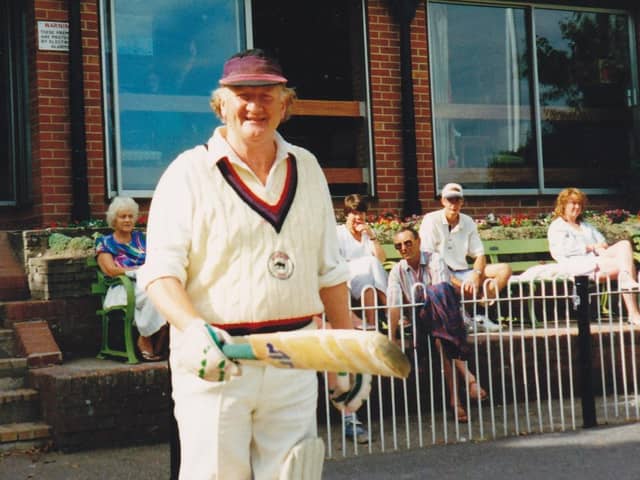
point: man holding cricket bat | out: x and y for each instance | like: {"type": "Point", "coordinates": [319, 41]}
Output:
{"type": "Point", "coordinates": [242, 240]}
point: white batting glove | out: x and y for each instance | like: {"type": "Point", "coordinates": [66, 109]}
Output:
{"type": "Point", "coordinates": [348, 394]}
{"type": "Point", "coordinates": [202, 352]}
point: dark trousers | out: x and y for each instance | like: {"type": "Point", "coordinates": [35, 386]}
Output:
{"type": "Point", "coordinates": [174, 438]}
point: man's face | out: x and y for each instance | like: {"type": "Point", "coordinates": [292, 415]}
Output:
{"type": "Point", "coordinates": [407, 245]}
{"type": "Point", "coordinates": [452, 205]}
{"type": "Point", "coordinates": [253, 113]}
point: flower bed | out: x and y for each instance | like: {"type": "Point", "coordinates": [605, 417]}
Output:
{"type": "Point", "coordinates": [614, 224]}
{"type": "Point", "coordinates": [55, 258]}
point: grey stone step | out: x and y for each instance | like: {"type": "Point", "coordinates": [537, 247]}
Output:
{"type": "Point", "coordinates": [24, 436]}
{"type": "Point", "coordinates": [12, 373]}
{"type": "Point", "coordinates": [19, 405]}
{"type": "Point", "coordinates": [7, 343]}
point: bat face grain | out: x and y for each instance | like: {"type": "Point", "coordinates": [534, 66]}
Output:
{"type": "Point", "coordinates": [352, 351]}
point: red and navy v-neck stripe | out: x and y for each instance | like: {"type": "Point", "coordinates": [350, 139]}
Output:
{"type": "Point", "coordinates": [274, 214]}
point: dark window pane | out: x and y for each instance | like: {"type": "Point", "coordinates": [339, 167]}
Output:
{"type": "Point", "coordinates": [320, 45]}
{"type": "Point", "coordinates": [324, 60]}
{"type": "Point", "coordinates": [15, 171]}
{"type": "Point", "coordinates": [337, 142]}
{"type": "Point", "coordinates": [6, 155]}
{"type": "Point", "coordinates": [584, 71]}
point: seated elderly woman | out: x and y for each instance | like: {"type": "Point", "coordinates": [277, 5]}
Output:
{"type": "Point", "coordinates": [580, 249]}
{"type": "Point", "coordinates": [122, 252]}
{"type": "Point", "coordinates": [364, 255]}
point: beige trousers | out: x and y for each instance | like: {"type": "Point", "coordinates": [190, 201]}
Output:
{"type": "Point", "coordinates": [242, 428]}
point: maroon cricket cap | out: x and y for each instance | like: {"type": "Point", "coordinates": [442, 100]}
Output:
{"type": "Point", "coordinates": [251, 70]}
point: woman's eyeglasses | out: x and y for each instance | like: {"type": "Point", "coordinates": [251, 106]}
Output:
{"type": "Point", "coordinates": [406, 244]}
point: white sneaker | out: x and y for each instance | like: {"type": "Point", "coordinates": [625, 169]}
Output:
{"type": "Point", "coordinates": [628, 284]}
{"type": "Point", "coordinates": [354, 429]}
{"type": "Point", "coordinates": [482, 322]}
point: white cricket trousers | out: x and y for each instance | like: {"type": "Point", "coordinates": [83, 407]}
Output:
{"type": "Point", "coordinates": [242, 428]}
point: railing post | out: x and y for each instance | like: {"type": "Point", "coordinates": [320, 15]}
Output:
{"type": "Point", "coordinates": [585, 360]}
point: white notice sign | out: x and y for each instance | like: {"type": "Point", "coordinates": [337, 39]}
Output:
{"type": "Point", "coordinates": [53, 36]}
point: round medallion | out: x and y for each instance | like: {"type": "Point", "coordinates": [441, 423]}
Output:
{"type": "Point", "coordinates": [280, 265]}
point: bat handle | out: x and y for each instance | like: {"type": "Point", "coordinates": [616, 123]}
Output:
{"type": "Point", "coordinates": [233, 351]}
{"type": "Point", "coordinates": [238, 351]}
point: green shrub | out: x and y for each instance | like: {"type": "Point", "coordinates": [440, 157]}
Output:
{"type": "Point", "coordinates": [64, 245]}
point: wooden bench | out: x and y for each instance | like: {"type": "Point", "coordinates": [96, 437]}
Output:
{"type": "Point", "coordinates": [393, 256]}
{"type": "Point", "coordinates": [635, 244]}
{"type": "Point", "coordinates": [519, 253]}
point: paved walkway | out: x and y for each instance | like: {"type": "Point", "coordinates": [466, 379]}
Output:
{"type": "Point", "coordinates": [600, 453]}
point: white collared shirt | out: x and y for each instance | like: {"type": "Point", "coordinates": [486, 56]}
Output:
{"type": "Point", "coordinates": [453, 245]}
{"type": "Point", "coordinates": [403, 279]}
{"type": "Point", "coordinates": [566, 242]}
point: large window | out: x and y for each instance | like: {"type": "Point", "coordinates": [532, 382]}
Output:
{"type": "Point", "coordinates": [163, 59]}
{"type": "Point", "coordinates": [14, 126]}
{"type": "Point", "coordinates": [530, 99]}
{"type": "Point", "coordinates": [585, 83]}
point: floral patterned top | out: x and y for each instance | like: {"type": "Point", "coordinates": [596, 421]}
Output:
{"type": "Point", "coordinates": [128, 255]}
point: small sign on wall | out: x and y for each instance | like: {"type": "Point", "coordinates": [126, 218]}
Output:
{"type": "Point", "coordinates": [53, 36]}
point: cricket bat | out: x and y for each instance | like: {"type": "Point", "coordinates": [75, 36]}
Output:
{"type": "Point", "coordinates": [330, 350]}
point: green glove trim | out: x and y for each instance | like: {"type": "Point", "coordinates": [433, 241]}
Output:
{"type": "Point", "coordinates": [234, 351]}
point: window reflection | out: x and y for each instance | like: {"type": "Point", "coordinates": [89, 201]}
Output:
{"type": "Point", "coordinates": [168, 57]}
{"type": "Point", "coordinates": [483, 105]}
{"type": "Point", "coordinates": [584, 71]}
{"type": "Point", "coordinates": [481, 81]}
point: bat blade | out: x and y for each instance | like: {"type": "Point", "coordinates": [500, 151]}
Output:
{"type": "Point", "coordinates": [325, 350]}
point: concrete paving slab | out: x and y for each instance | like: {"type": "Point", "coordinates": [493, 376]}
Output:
{"type": "Point", "coordinates": [588, 454]}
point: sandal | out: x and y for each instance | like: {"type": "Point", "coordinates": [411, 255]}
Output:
{"type": "Point", "coordinates": [161, 342]}
{"type": "Point", "coordinates": [147, 355]}
{"type": "Point", "coordinates": [150, 357]}
{"type": "Point", "coordinates": [462, 414]}
{"type": "Point", "coordinates": [477, 392]}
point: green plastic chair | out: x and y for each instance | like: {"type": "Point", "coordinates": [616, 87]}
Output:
{"type": "Point", "coordinates": [100, 287]}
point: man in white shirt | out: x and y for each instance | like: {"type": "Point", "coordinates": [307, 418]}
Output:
{"type": "Point", "coordinates": [455, 237]}
{"type": "Point", "coordinates": [241, 240]}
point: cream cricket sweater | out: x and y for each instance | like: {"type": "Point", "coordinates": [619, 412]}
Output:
{"type": "Point", "coordinates": [246, 253]}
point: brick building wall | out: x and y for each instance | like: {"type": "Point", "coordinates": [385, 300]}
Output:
{"type": "Point", "coordinates": [51, 151]}
{"type": "Point", "coordinates": [384, 51]}
{"type": "Point", "coordinates": [103, 407]}
{"type": "Point", "coordinates": [51, 125]}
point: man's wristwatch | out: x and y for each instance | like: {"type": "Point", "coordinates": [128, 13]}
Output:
{"type": "Point", "coordinates": [479, 272]}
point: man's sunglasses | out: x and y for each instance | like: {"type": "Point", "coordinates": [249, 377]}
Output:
{"type": "Point", "coordinates": [406, 243]}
